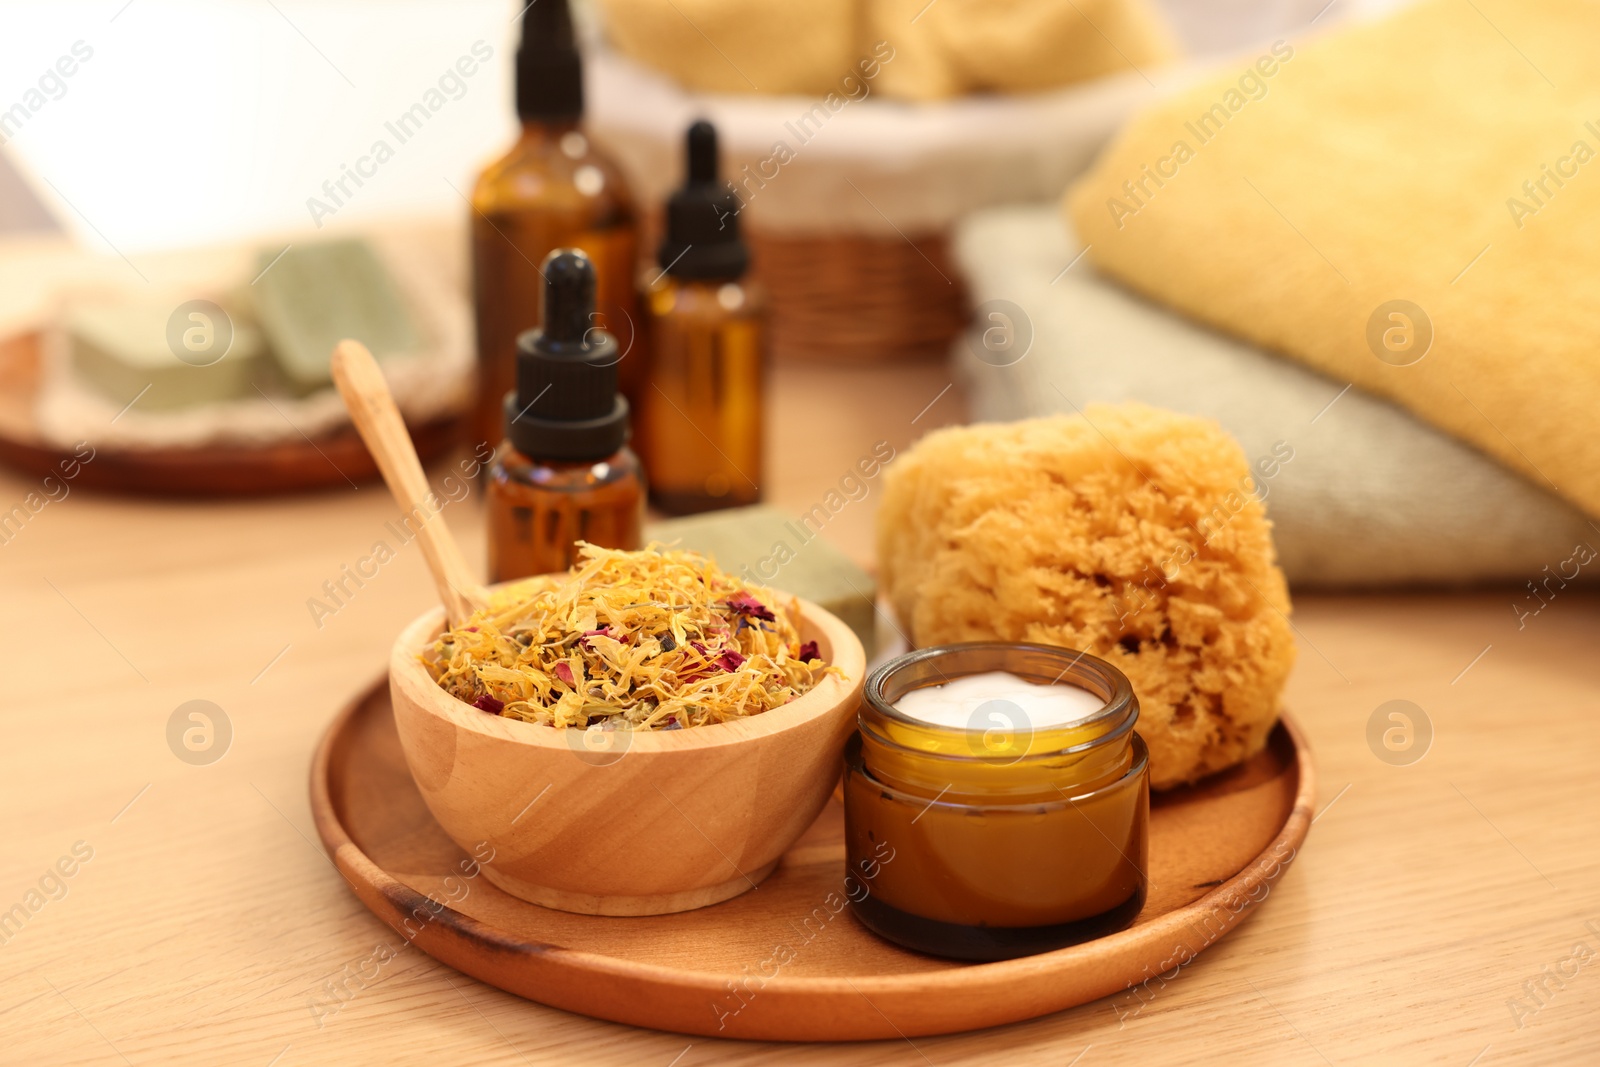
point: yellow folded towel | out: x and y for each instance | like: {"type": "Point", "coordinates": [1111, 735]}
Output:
{"type": "Point", "coordinates": [1446, 158]}
{"type": "Point", "coordinates": [928, 51]}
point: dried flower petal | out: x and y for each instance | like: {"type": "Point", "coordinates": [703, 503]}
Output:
{"type": "Point", "coordinates": [744, 603]}
{"type": "Point", "coordinates": [647, 640]}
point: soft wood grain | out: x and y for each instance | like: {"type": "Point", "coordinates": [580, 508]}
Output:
{"type": "Point", "coordinates": [209, 923]}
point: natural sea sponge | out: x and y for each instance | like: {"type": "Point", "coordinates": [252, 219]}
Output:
{"type": "Point", "coordinates": [1129, 532]}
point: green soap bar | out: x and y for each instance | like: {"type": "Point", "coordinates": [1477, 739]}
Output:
{"type": "Point", "coordinates": [746, 542]}
{"type": "Point", "coordinates": [176, 354]}
{"type": "Point", "coordinates": [315, 296]}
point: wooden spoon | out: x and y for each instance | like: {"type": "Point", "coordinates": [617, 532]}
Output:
{"type": "Point", "coordinates": [372, 409]}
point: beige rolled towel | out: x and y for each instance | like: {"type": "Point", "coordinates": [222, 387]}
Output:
{"type": "Point", "coordinates": [1012, 46]}
{"type": "Point", "coordinates": [740, 46]}
{"type": "Point", "coordinates": [939, 50]}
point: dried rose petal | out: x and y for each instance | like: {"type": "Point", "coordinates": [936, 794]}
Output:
{"type": "Point", "coordinates": [730, 660]}
{"type": "Point", "coordinates": [563, 670]}
{"type": "Point", "coordinates": [808, 652]}
{"type": "Point", "coordinates": [489, 704]}
{"type": "Point", "coordinates": [745, 603]}
{"type": "Point", "coordinates": [604, 631]}
{"type": "Point", "coordinates": [698, 670]}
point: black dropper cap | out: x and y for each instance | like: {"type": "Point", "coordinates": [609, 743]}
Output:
{"type": "Point", "coordinates": [549, 68]}
{"type": "Point", "coordinates": [565, 405]}
{"type": "Point", "coordinates": [702, 238]}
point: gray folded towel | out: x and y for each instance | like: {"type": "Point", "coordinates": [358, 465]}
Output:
{"type": "Point", "coordinates": [1359, 492]}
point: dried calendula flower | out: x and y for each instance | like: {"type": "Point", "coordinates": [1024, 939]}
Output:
{"type": "Point", "coordinates": [656, 639]}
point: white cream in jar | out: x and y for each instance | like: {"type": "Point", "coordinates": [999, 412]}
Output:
{"type": "Point", "coordinates": [959, 703]}
{"type": "Point", "coordinates": [1009, 783]}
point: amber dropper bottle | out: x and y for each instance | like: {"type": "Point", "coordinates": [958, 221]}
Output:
{"type": "Point", "coordinates": [564, 472]}
{"type": "Point", "coordinates": [701, 420]}
{"type": "Point", "coordinates": [551, 190]}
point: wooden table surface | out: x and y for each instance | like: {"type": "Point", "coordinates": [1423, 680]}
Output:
{"type": "Point", "coordinates": [1446, 911]}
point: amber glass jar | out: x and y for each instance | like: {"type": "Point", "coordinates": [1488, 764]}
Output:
{"type": "Point", "coordinates": [564, 472]}
{"type": "Point", "coordinates": [700, 423]}
{"type": "Point", "coordinates": [553, 189]}
{"type": "Point", "coordinates": [538, 510]}
{"type": "Point", "coordinates": [1005, 841]}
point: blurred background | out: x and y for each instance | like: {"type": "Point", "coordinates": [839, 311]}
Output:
{"type": "Point", "coordinates": [1357, 234]}
{"type": "Point", "coordinates": [256, 105]}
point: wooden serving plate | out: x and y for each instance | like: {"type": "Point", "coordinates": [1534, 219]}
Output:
{"type": "Point", "coordinates": [1215, 850]}
{"type": "Point", "coordinates": [294, 464]}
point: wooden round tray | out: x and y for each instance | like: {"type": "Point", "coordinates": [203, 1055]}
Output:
{"type": "Point", "coordinates": [294, 464]}
{"type": "Point", "coordinates": [1215, 850]}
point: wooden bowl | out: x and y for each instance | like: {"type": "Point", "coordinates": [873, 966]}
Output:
{"type": "Point", "coordinates": [665, 821]}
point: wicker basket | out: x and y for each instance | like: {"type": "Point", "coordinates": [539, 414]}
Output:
{"type": "Point", "coordinates": [849, 234]}
{"type": "Point", "coordinates": [849, 298]}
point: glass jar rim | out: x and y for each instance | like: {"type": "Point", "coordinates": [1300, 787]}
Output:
{"type": "Point", "coordinates": [1110, 684]}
